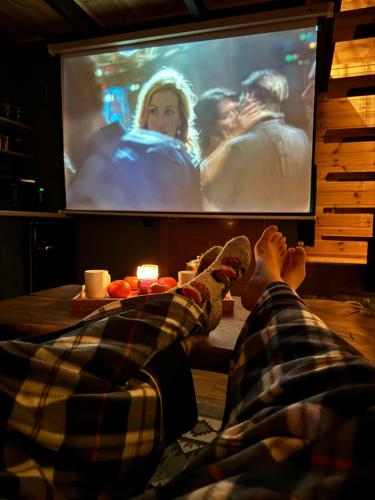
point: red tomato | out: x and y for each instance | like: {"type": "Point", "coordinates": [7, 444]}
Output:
{"type": "Point", "coordinates": [118, 289]}
{"type": "Point", "coordinates": [158, 288]}
{"type": "Point", "coordinates": [132, 280]}
{"type": "Point", "coordinates": [168, 281]}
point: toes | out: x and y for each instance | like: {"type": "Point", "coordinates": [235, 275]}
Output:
{"type": "Point", "coordinates": [282, 244]}
{"type": "Point", "coordinates": [291, 251]}
{"type": "Point", "coordinates": [280, 241]}
{"type": "Point", "coordinates": [269, 233]}
{"type": "Point", "coordinates": [288, 261]}
{"type": "Point", "coordinates": [292, 256]}
{"type": "Point", "coordinates": [289, 256]}
{"type": "Point", "coordinates": [276, 237]}
{"type": "Point", "coordinates": [300, 255]}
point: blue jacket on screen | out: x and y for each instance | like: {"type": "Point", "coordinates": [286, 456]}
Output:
{"type": "Point", "coordinates": [149, 171]}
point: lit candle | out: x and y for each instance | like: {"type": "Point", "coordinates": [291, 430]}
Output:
{"type": "Point", "coordinates": [147, 274]}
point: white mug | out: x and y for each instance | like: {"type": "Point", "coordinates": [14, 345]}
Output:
{"type": "Point", "coordinates": [185, 276]}
{"type": "Point", "coordinates": [96, 283]}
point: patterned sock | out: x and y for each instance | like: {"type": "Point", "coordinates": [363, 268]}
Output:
{"type": "Point", "coordinates": [210, 287]}
{"type": "Point", "coordinates": [208, 258]}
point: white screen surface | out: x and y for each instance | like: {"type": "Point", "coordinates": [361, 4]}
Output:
{"type": "Point", "coordinates": [215, 126]}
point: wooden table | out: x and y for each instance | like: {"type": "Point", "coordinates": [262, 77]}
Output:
{"type": "Point", "coordinates": [50, 311]}
{"type": "Point", "coordinates": [38, 313]}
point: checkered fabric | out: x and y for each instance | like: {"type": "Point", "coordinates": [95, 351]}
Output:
{"type": "Point", "coordinates": [300, 414]}
{"type": "Point", "coordinates": [81, 412]}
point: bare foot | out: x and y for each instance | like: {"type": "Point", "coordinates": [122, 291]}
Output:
{"type": "Point", "coordinates": [270, 252]}
{"type": "Point", "coordinates": [294, 268]}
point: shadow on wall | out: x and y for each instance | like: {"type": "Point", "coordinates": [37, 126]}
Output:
{"type": "Point", "coordinates": [116, 243]}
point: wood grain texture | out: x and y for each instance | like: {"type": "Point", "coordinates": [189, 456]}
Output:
{"type": "Point", "coordinates": [353, 58]}
{"type": "Point", "coordinates": [222, 4]}
{"type": "Point", "coordinates": [323, 150]}
{"type": "Point", "coordinates": [356, 134]}
{"type": "Point", "coordinates": [337, 232]}
{"type": "Point", "coordinates": [30, 20]}
{"type": "Point", "coordinates": [348, 251]}
{"type": "Point", "coordinates": [345, 112]}
{"type": "Point", "coordinates": [355, 4]}
{"type": "Point", "coordinates": [344, 187]}
{"type": "Point", "coordinates": [345, 23]}
{"type": "Point", "coordinates": [349, 161]}
{"type": "Point", "coordinates": [336, 157]}
{"type": "Point", "coordinates": [337, 118]}
{"type": "Point", "coordinates": [341, 221]}
{"type": "Point", "coordinates": [115, 13]}
{"type": "Point", "coordinates": [346, 198]}
{"type": "Point", "coordinates": [350, 85]}
{"type": "Point", "coordinates": [329, 170]}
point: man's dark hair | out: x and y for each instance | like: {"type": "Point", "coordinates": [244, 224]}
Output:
{"type": "Point", "coordinates": [267, 86]}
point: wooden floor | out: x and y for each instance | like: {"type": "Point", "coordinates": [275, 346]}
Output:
{"type": "Point", "coordinates": [210, 387]}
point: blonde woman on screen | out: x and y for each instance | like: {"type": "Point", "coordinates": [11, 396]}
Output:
{"type": "Point", "coordinates": [159, 156]}
{"type": "Point", "coordinates": [165, 104]}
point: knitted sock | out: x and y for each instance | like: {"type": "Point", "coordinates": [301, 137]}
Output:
{"type": "Point", "coordinates": [208, 258]}
{"type": "Point", "coordinates": [210, 287]}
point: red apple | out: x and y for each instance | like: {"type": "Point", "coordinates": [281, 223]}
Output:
{"type": "Point", "coordinates": [132, 280]}
{"type": "Point", "coordinates": [168, 281]}
{"type": "Point", "coordinates": [158, 288]}
{"type": "Point", "coordinates": [119, 289]}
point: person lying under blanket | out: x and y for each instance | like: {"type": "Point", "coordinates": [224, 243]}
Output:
{"type": "Point", "coordinates": [87, 413]}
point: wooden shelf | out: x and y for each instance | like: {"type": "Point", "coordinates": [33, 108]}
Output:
{"type": "Point", "coordinates": [337, 259]}
{"type": "Point", "coordinates": [14, 124]}
{"type": "Point", "coordinates": [351, 86]}
{"type": "Point", "coordinates": [357, 134]}
{"type": "Point", "coordinates": [6, 152]}
{"type": "Point", "coordinates": [353, 24]}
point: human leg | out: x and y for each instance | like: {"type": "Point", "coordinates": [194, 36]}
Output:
{"type": "Point", "coordinates": [300, 409]}
{"type": "Point", "coordinates": [208, 258]}
{"type": "Point", "coordinates": [293, 271]}
{"type": "Point", "coordinates": [97, 397]}
{"type": "Point", "coordinates": [270, 252]}
{"type": "Point", "coordinates": [208, 288]}
{"type": "Point", "coordinates": [97, 394]}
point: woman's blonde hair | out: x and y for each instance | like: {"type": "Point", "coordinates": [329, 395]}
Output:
{"type": "Point", "coordinates": [170, 79]}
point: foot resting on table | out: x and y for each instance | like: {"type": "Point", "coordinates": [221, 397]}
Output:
{"type": "Point", "coordinates": [274, 262]}
{"type": "Point", "coordinates": [208, 288]}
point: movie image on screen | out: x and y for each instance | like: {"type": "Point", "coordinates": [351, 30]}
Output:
{"type": "Point", "coordinates": [218, 126]}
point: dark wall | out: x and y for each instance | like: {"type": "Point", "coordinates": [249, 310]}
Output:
{"type": "Point", "coordinates": [44, 112]}
{"type": "Point", "coordinates": [118, 244]}
{"type": "Point", "coordinates": [30, 80]}
{"type": "Point", "coordinates": [31, 77]}
{"type": "Point", "coordinates": [12, 262]}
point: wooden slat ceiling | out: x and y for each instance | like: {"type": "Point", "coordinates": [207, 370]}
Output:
{"type": "Point", "coordinates": [28, 20]}
{"type": "Point", "coordinates": [115, 13]}
{"type": "Point", "coordinates": [49, 21]}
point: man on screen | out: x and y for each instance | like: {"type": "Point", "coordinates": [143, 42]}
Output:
{"type": "Point", "coordinates": [267, 169]}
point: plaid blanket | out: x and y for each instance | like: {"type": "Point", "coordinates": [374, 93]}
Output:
{"type": "Point", "coordinates": [300, 414]}
{"type": "Point", "coordinates": [91, 409]}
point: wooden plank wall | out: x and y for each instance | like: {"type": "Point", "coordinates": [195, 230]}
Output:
{"type": "Point", "coordinates": [342, 168]}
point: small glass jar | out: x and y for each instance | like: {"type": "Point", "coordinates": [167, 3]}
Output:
{"type": "Point", "coordinates": [192, 265]}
